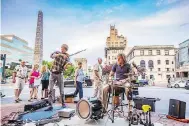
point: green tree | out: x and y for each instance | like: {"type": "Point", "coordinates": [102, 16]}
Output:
{"type": "Point", "coordinates": [69, 72]}
{"type": "Point", "coordinates": [48, 63]}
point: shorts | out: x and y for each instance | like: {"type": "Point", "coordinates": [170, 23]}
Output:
{"type": "Point", "coordinates": [45, 84]}
{"type": "Point", "coordinates": [31, 85]}
{"type": "Point", "coordinates": [19, 83]}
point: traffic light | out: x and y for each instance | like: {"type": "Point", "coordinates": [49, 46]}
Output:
{"type": "Point", "coordinates": [2, 57]}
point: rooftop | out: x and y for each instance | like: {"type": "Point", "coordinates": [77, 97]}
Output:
{"type": "Point", "coordinates": [10, 38]}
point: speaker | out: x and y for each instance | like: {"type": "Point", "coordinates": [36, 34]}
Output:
{"type": "Point", "coordinates": [177, 109]}
{"type": "Point", "coordinates": [140, 101]}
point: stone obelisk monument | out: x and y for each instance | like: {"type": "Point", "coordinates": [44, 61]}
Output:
{"type": "Point", "coordinates": [38, 50]}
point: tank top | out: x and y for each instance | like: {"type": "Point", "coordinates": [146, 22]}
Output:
{"type": "Point", "coordinates": [34, 73]}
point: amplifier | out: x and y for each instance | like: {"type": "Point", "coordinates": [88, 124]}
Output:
{"type": "Point", "coordinates": [66, 112]}
{"type": "Point", "coordinates": [70, 95]}
{"type": "Point", "coordinates": [36, 105]}
{"type": "Point", "coordinates": [140, 101]}
{"type": "Point", "coordinates": [177, 109]}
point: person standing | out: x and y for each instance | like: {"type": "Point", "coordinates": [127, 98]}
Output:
{"type": "Point", "coordinates": [34, 76]}
{"type": "Point", "coordinates": [61, 60]}
{"type": "Point", "coordinates": [44, 80]}
{"type": "Point", "coordinates": [21, 79]}
{"type": "Point", "coordinates": [97, 76]}
{"type": "Point", "coordinates": [79, 79]}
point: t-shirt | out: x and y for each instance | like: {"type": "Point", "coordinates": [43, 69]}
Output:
{"type": "Point", "coordinates": [98, 68]}
{"type": "Point", "coordinates": [45, 75]}
{"type": "Point", "coordinates": [121, 70]}
{"type": "Point", "coordinates": [21, 71]}
{"type": "Point", "coordinates": [80, 75]}
{"type": "Point", "coordinates": [35, 74]}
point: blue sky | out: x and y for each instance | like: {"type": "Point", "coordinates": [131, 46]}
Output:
{"type": "Point", "coordinates": [85, 23]}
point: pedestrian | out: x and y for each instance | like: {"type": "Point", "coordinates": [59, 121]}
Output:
{"type": "Point", "coordinates": [21, 79]}
{"type": "Point", "coordinates": [44, 80]}
{"type": "Point", "coordinates": [33, 83]}
{"type": "Point", "coordinates": [97, 76]}
{"type": "Point", "coordinates": [61, 60]}
{"type": "Point", "coordinates": [79, 80]}
{"type": "Point", "coordinates": [169, 80]}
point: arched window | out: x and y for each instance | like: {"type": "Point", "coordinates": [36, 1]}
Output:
{"type": "Point", "coordinates": [142, 63]}
{"type": "Point", "coordinates": [150, 64]}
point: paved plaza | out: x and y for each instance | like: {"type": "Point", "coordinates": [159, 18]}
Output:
{"type": "Point", "coordinates": [8, 105]}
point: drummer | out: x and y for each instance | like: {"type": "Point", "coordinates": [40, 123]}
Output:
{"type": "Point", "coordinates": [119, 70]}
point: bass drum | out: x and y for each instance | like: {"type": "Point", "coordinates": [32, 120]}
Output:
{"type": "Point", "coordinates": [89, 109]}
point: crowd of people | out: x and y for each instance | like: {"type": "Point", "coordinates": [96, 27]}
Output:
{"type": "Point", "coordinates": [48, 78]}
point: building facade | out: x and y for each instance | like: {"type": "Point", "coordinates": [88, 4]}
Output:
{"type": "Point", "coordinates": [182, 58]}
{"type": "Point", "coordinates": [15, 49]}
{"type": "Point", "coordinates": [159, 61]}
{"type": "Point", "coordinates": [84, 63]}
{"type": "Point", "coordinates": [38, 50]}
{"type": "Point", "coordinates": [114, 44]}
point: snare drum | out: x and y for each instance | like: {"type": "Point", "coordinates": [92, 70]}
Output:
{"type": "Point", "coordinates": [89, 109]}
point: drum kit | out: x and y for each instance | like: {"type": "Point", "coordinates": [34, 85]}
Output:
{"type": "Point", "coordinates": [93, 109]}
{"type": "Point", "coordinates": [90, 108]}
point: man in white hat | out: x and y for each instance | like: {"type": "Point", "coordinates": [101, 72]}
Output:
{"type": "Point", "coordinates": [21, 79]}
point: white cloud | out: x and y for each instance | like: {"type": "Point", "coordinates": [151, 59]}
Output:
{"type": "Point", "coordinates": [69, 26]}
{"type": "Point", "coordinates": [165, 2]}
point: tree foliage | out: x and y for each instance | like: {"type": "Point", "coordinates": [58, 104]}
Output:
{"type": "Point", "coordinates": [69, 72]}
{"type": "Point", "coordinates": [48, 63]}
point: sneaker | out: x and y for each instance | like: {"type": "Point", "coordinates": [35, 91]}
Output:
{"type": "Point", "coordinates": [49, 109]}
{"type": "Point", "coordinates": [30, 100]}
{"type": "Point", "coordinates": [42, 98]}
{"type": "Point", "coordinates": [64, 105]}
{"type": "Point", "coordinates": [2, 96]}
{"type": "Point", "coordinates": [35, 98]}
{"type": "Point", "coordinates": [17, 101]}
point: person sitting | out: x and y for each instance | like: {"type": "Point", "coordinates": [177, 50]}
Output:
{"type": "Point", "coordinates": [120, 69]}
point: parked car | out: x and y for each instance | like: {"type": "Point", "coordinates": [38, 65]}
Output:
{"type": "Point", "coordinates": [187, 85]}
{"type": "Point", "coordinates": [143, 82]}
{"type": "Point", "coordinates": [70, 82]}
{"type": "Point", "coordinates": [178, 84]}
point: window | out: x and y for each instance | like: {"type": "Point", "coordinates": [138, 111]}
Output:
{"type": "Point", "coordinates": [133, 54]}
{"type": "Point", "coordinates": [142, 63]}
{"type": "Point", "coordinates": [158, 52]}
{"type": "Point", "coordinates": [142, 52]}
{"type": "Point", "coordinates": [109, 57]}
{"type": "Point", "coordinates": [167, 62]}
{"type": "Point", "coordinates": [143, 76]}
{"type": "Point", "coordinates": [151, 76]}
{"type": "Point", "coordinates": [172, 62]}
{"type": "Point", "coordinates": [168, 76]}
{"type": "Point", "coordinates": [150, 64]}
{"type": "Point", "coordinates": [167, 69]}
{"type": "Point", "coordinates": [150, 69]}
{"type": "Point", "coordinates": [149, 52]}
{"type": "Point", "coordinates": [172, 69]}
{"type": "Point", "coordinates": [159, 62]}
{"type": "Point", "coordinates": [159, 69]}
{"type": "Point", "coordinates": [166, 52]}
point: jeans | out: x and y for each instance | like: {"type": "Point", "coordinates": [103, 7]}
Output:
{"type": "Point", "coordinates": [79, 89]}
